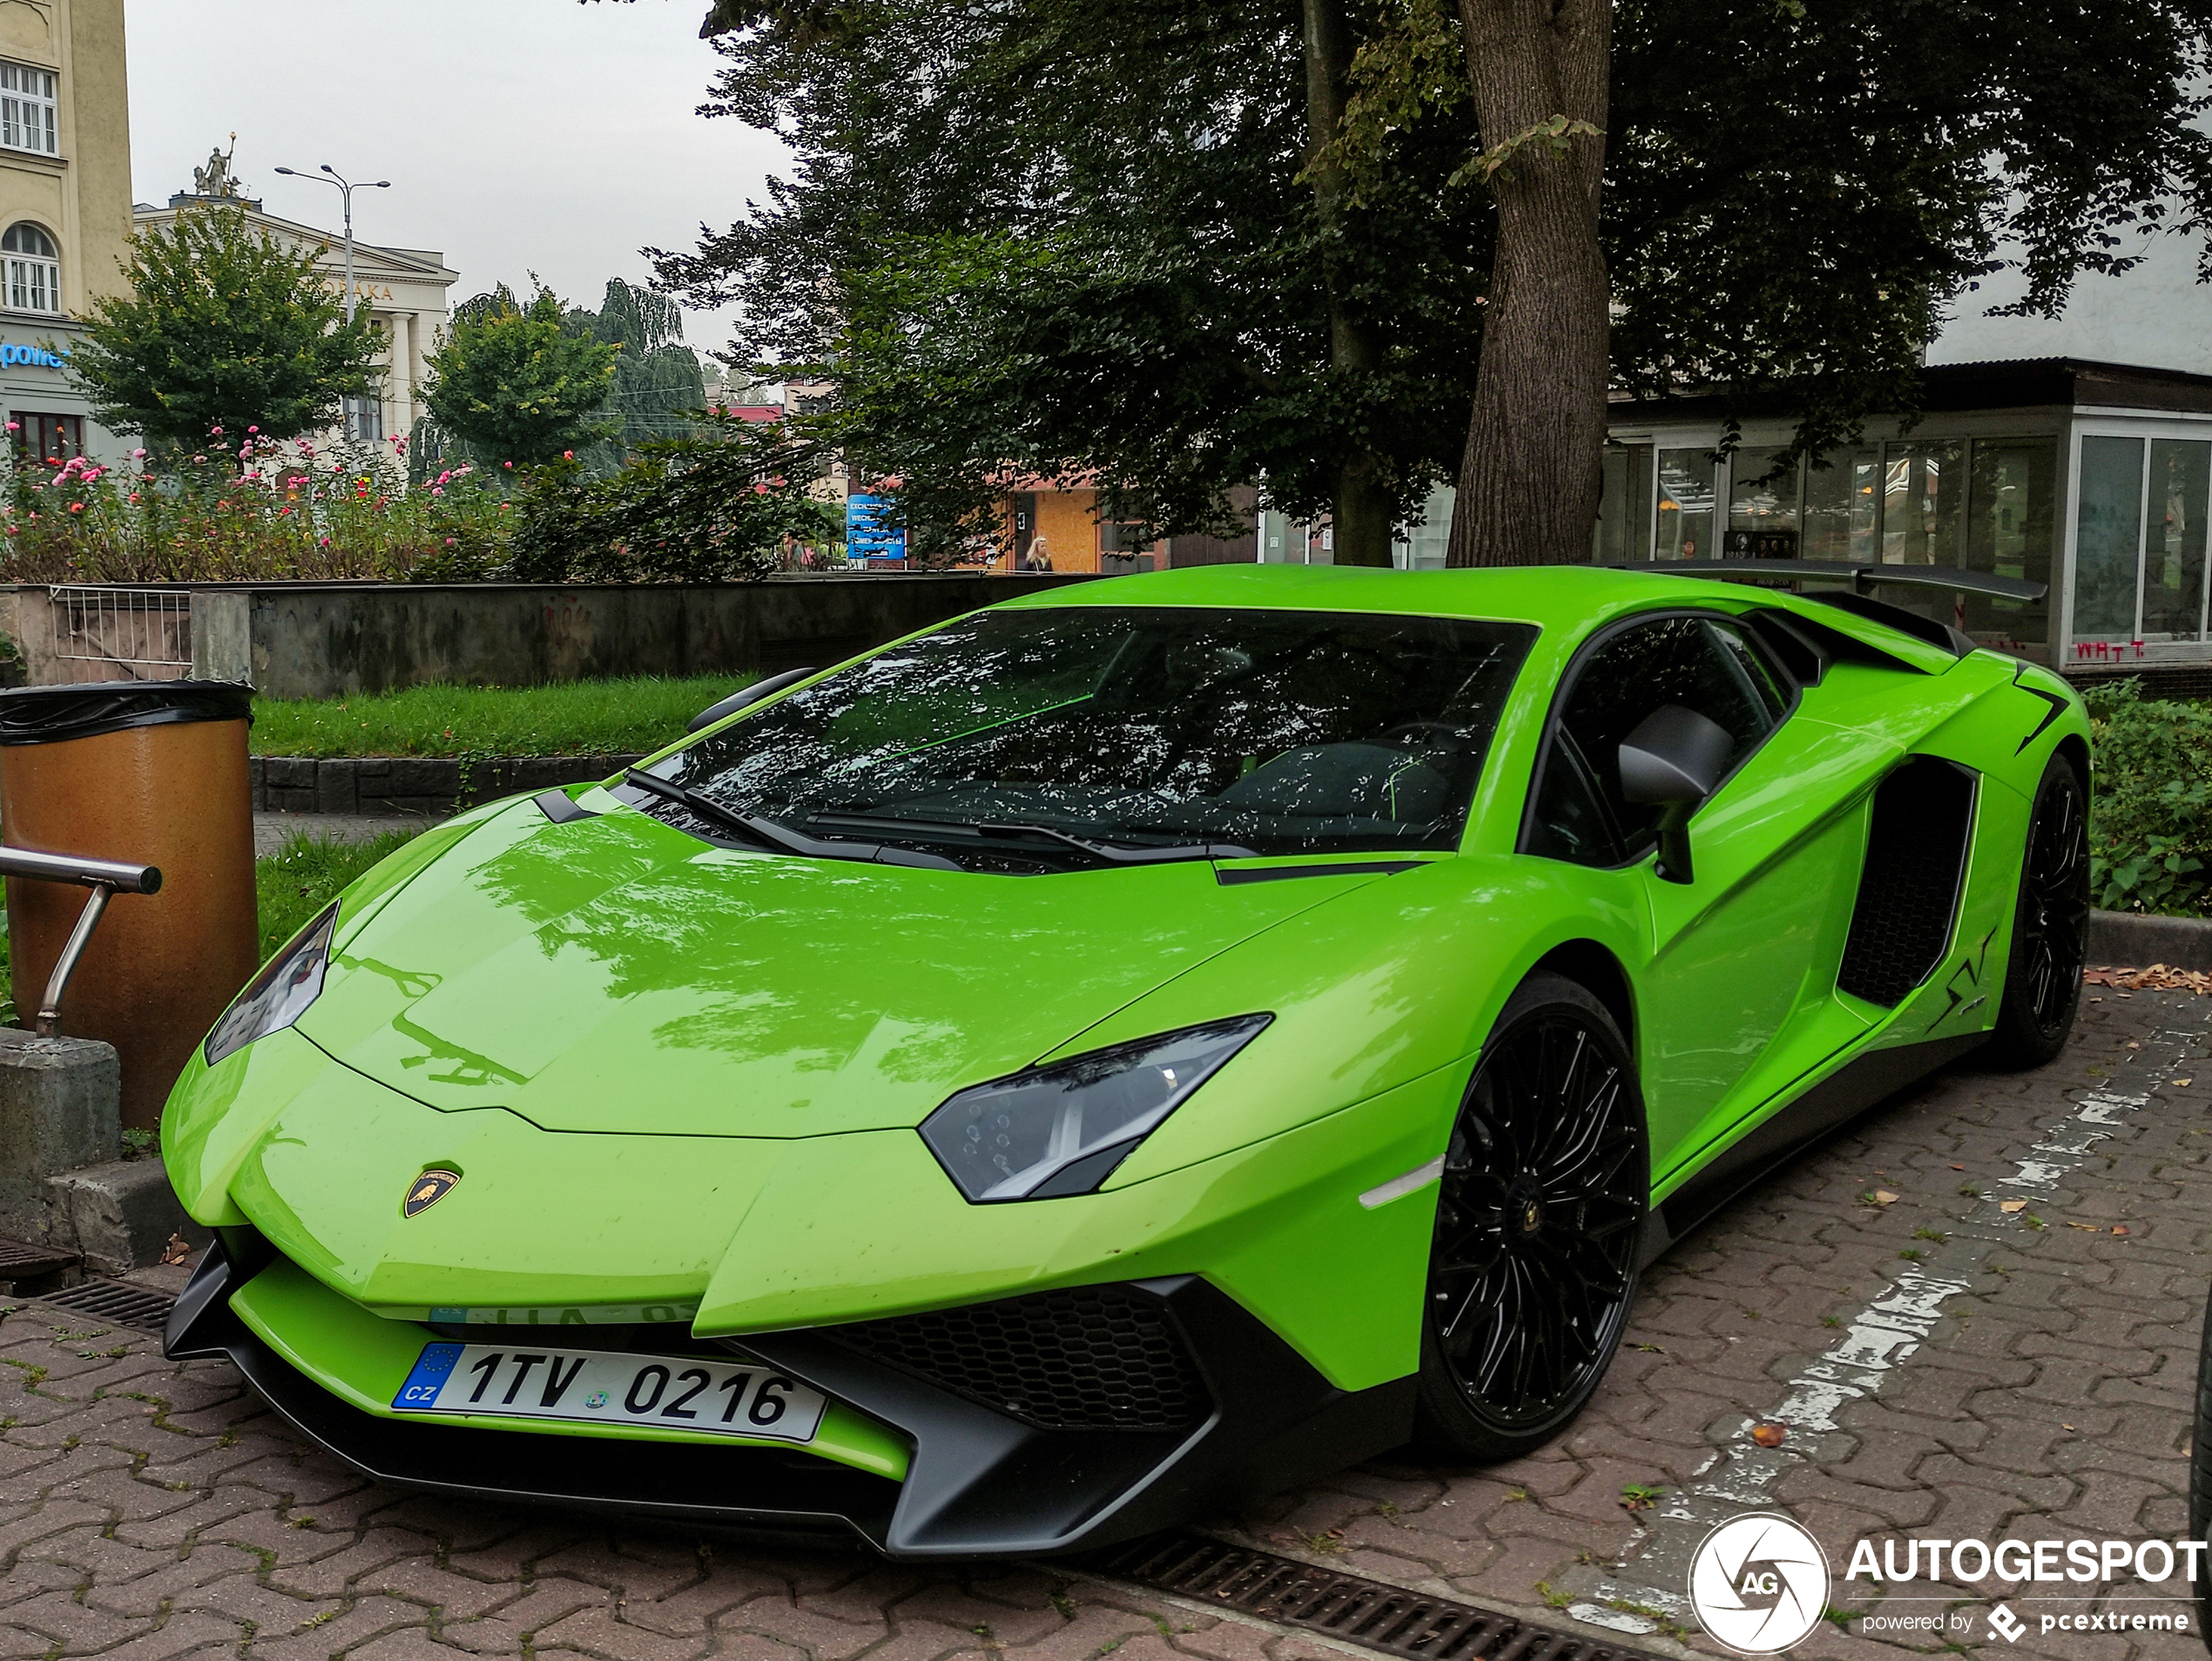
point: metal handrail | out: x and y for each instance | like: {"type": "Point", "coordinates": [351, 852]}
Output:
{"type": "Point", "coordinates": [104, 878]}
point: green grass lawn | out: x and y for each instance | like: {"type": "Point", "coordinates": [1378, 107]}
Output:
{"type": "Point", "coordinates": [304, 875]}
{"type": "Point", "coordinates": [570, 718]}
{"type": "Point", "coordinates": [290, 885]}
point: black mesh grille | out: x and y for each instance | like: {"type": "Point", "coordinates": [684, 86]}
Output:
{"type": "Point", "coordinates": [1087, 1358]}
{"type": "Point", "coordinates": [1916, 853]}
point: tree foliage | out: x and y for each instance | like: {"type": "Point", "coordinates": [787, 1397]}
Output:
{"type": "Point", "coordinates": [1075, 243]}
{"type": "Point", "coordinates": [222, 327]}
{"type": "Point", "coordinates": [712, 507]}
{"type": "Point", "coordinates": [1082, 241]}
{"type": "Point", "coordinates": [513, 382]}
{"type": "Point", "coordinates": [657, 389]}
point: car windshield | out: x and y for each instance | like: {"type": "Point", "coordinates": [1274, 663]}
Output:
{"type": "Point", "coordinates": [1138, 728]}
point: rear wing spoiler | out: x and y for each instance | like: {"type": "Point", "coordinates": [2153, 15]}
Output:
{"type": "Point", "coordinates": [1862, 580]}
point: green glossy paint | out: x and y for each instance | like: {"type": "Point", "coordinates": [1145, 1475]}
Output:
{"type": "Point", "coordinates": [364, 1360]}
{"type": "Point", "coordinates": [688, 1078]}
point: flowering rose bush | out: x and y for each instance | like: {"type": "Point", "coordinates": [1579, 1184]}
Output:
{"type": "Point", "coordinates": [255, 510]}
{"type": "Point", "coordinates": [717, 508]}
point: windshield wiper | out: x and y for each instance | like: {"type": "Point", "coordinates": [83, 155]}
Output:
{"type": "Point", "coordinates": [766, 832]}
{"type": "Point", "coordinates": [947, 831]}
{"type": "Point", "coordinates": [772, 833]}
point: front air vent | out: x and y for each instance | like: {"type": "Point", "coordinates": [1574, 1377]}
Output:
{"type": "Point", "coordinates": [1085, 1358]}
{"type": "Point", "coordinates": [1908, 893]}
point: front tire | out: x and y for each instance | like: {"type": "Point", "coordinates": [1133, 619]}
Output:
{"type": "Point", "coordinates": [1539, 1225]}
{"type": "Point", "coordinates": [2050, 926]}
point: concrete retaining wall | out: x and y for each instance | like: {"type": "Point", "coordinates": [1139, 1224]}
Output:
{"type": "Point", "coordinates": [326, 639]}
{"type": "Point", "coordinates": [323, 642]}
{"type": "Point", "coordinates": [434, 786]}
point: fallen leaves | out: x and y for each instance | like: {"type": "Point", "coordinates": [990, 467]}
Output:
{"type": "Point", "coordinates": [2010, 1206]}
{"type": "Point", "coordinates": [2157, 978]}
{"type": "Point", "coordinates": [1884, 1197]}
{"type": "Point", "coordinates": [1769, 1436]}
{"type": "Point", "coordinates": [177, 1251]}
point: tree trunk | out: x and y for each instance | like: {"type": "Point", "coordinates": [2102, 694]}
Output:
{"type": "Point", "coordinates": [1528, 483]}
{"type": "Point", "coordinates": [1360, 519]}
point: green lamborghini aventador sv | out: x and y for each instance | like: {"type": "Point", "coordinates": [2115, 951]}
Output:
{"type": "Point", "coordinates": [1140, 1043]}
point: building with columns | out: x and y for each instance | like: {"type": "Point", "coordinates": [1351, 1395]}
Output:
{"type": "Point", "coordinates": [404, 291]}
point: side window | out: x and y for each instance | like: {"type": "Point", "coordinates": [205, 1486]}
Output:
{"type": "Point", "coordinates": [1702, 664]}
{"type": "Point", "coordinates": [1749, 663]}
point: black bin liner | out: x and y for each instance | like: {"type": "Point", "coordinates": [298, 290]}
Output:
{"type": "Point", "coordinates": [56, 714]}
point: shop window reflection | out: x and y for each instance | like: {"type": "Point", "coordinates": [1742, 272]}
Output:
{"type": "Point", "coordinates": [1685, 518]}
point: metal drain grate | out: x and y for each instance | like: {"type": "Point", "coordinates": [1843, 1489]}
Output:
{"type": "Point", "coordinates": [116, 1301]}
{"type": "Point", "coordinates": [1355, 1611]}
{"type": "Point", "coordinates": [20, 1261]}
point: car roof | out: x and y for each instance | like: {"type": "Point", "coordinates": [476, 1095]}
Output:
{"type": "Point", "coordinates": [1558, 595]}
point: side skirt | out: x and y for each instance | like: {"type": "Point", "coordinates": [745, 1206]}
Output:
{"type": "Point", "coordinates": [1838, 1099]}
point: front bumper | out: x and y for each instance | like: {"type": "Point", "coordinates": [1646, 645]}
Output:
{"type": "Point", "coordinates": [982, 1477]}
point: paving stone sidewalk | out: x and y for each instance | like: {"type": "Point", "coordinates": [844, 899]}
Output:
{"type": "Point", "coordinates": [1938, 1365]}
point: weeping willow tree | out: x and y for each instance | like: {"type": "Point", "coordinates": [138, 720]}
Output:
{"type": "Point", "coordinates": [655, 392]}
{"type": "Point", "coordinates": [658, 392]}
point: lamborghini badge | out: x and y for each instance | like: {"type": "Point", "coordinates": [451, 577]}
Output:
{"type": "Point", "coordinates": [427, 1190]}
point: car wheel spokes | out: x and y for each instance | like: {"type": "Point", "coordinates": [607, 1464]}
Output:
{"type": "Point", "coordinates": [2054, 905]}
{"type": "Point", "coordinates": [1538, 1222]}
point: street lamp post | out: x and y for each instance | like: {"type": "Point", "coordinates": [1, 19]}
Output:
{"type": "Point", "coordinates": [345, 189]}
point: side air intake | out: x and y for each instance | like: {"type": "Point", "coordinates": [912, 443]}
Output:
{"type": "Point", "coordinates": [1084, 1358]}
{"type": "Point", "coordinates": [1908, 894]}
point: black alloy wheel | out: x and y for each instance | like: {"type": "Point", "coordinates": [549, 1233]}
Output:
{"type": "Point", "coordinates": [1539, 1226]}
{"type": "Point", "coordinates": [2051, 926]}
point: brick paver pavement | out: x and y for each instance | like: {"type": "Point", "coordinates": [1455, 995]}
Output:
{"type": "Point", "coordinates": [1938, 1366]}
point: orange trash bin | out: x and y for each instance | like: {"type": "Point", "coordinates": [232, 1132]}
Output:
{"type": "Point", "coordinates": [152, 773]}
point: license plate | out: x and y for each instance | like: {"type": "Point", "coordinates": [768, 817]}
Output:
{"type": "Point", "coordinates": [734, 1398]}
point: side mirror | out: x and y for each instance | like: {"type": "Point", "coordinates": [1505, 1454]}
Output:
{"type": "Point", "coordinates": [752, 694]}
{"type": "Point", "coordinates": [1673, 760]}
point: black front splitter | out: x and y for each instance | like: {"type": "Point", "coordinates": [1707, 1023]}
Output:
{"type": "Point", "coordinates": [981, 1483]}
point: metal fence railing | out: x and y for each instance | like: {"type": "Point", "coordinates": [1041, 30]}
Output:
{"type": "Point", "coordinates": [131, 629]}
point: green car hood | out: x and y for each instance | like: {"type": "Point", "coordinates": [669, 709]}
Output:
{"type": "Point", "coordinates": [614, 975]}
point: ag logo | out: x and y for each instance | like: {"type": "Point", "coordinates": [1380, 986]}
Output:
{"type": "Point", "coordinates": [427, 1191]}
{"type": "Point", "coordinates": [1759, 1583]}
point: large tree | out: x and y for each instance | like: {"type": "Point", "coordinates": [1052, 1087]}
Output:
{"type": "Point", "coordinates": [1083, 243]}
{"type": "Point", "coordinates": [515, 383]}
{"type": "Point", "coordinates": [1346, 246]}
{"type": "Point", "coordinates": [657, 390]}
{"type": "Point", "coordinates": [223, 328]}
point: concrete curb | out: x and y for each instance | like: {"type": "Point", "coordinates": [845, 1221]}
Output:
{"type": "Point", "coordinates": [416, 785]}
{"type": "Point", "coordinates": [2124, 939]}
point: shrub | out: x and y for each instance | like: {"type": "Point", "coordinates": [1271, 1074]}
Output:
{"type": "Point", "coordinates": [722, 507]}
{"type": "Point", "coordinates": [2150, 834]}
{"type": "Point", "coordinates": [248, 509]}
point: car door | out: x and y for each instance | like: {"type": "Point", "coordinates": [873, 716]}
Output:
{"type": "Point", "coordinates": [1736, 997]}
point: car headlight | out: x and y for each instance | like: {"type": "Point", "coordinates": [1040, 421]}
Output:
{"type": "Point", "coordinates": [280, 994]}
{"type": "Point", "coordinates": [1059, 1130]}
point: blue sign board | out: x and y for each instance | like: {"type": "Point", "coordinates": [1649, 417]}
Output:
{"type": "Point", "coordinates": [11, 356]}
{"type": "Point", "coordinates": [868, 535]}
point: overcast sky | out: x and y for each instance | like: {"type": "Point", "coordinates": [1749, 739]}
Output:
{"type": "Point", "coordinates": [519, 135]}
